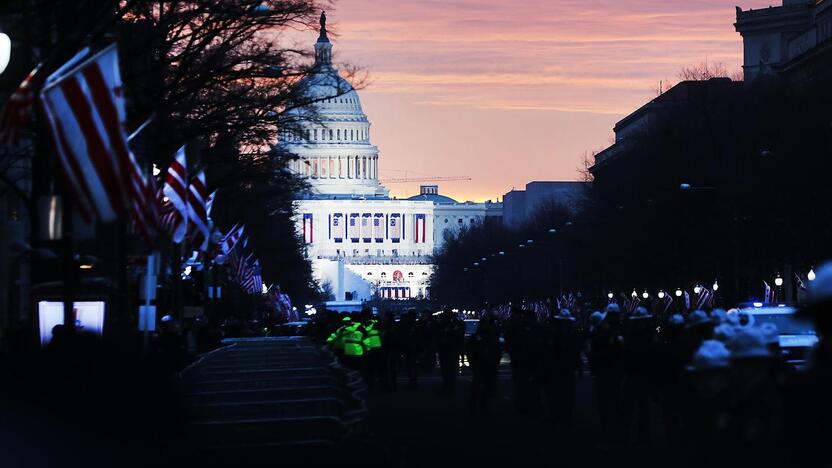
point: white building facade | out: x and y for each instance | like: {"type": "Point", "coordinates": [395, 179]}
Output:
{"type": "Point", "coordinates": [361, 243]}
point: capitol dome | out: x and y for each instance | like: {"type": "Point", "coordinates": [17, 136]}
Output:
{"type": "Point", "coordinates": [333, 145]}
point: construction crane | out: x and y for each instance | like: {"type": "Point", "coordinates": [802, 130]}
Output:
{"type": "Point", "coordinates": [423, 179]}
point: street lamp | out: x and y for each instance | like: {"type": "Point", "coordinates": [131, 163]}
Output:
{"type": "Point", "coordinates": [811, 275]}
{"type": "Point", "coordinates": [609, 295]}
{"type": "Point", "coordinates": [502, 253]}
{"type": "Point", "coordinates": [697, 289]}
{"type": "Point", "coordinates": [476, 264]}
{"type": "Point", "coordinates": [645, 294]}
{"type": "Point", "coordinates": [483, 259]}
{"type": "Point", "coordinates": [678, 292]}
{"type": "Point", "coordinates": [553, 231]}
{"type": "Point", "coordinates": [530, 241]}
{"type": "Point", "coordinates": [778, 281]}
{"type": "Point", "coordinates": [634, 293]}
{"type": "Point", "coordinates": [661, 294]}
{"type": "Point", "coordinates": [715, 287]}
{"type": "Point", "coordinates": [5, 51]}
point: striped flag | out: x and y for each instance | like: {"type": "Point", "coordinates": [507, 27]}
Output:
{"type": "Point", "coordinates": [146, 211]}
{"type": "Point", "coordinates": [768, 294]}
{"type": "Point", "coordinates": [257, 279]}
{"type": "Point", "coordinates": [687, 301]}
{"type": "Point", "coordinates": [86, 113]}
{"type": "Point", "coordinates": [799, 282]}
{"type": "Point", "coordinates": [308, 233]}
{"type": "Point", "coordinates": [198, 226]}
{"type": "Point", "coordinates": [419, 228]}
{"type": "Point", "coordinates": [231, 239]}
{"type": "Point", "coordinates": [668, 301]}
{"type": "Point", "coordinates": [378, 228]}
{"type": "Point", "coordinates": [704, 298]}
{"type": "Point", "coordinates": [17, 109]}
{"type": "Point", "coordinates": [176, 192]}
{"type": "Point", "coordinates": [395, 227]}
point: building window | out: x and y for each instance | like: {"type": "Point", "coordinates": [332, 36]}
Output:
{"type": "Point", "coordinates": [459, 221]}
{"type": "Point", "coordinates": [351, 135]}
{"type": "Point", "coordinates": [338, 132]}
{"type": "Point", "coordinates": [369, 273]}
{"type": "Point", "coordinates": [357, 168]}
{"type": "Point", "coordinates": [340, 168]}
{"type": "Point", "coordinates": [383, 274]}
{"type": "Point", "coordinates": [410, 275]}
{"type": "Point", "coordinates": [330, 134]}
{"type": "Point", "coordinates": [446, 220]}
{"type": "Point", "coordinates": [331, 167]}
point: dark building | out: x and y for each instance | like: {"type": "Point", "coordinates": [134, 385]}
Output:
{"type": "Point", "coordinates": [519, 205]}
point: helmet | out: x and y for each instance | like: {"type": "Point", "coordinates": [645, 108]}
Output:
{"type": "Point", "coordinates": [613, 308]}
{"type": "Point", "coordinates": [346, 318]}
{"type": "Point", "coordinates": [677, 319]}
{"type": "Point", "coordinates": [697, 317]}
{"type": "Point", "coordinates": [724, 333]}
{"type": "Point", "coordinates": [640, 313]}
{"type": "Point", "coordinates": [719, 316]}
{"type": "Point", "coordinates": [712, 354]}
{"type": "Point", "coordinates": [595, 318]}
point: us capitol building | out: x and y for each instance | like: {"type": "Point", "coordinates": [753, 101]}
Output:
{"type": "Point", "coordinates": [361, 242]}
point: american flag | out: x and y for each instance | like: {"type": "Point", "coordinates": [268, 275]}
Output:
{"type": "Point", "coordinates": [668, 301]}
{"type": "Point", "coordinates": [231, 239]}
{"type": "Point", "coordinates": [17, 109]}
{"type": "Point", "coordinates": [146, 210]}
{"type": "Point", "coordinates": [85, 109]}
{"type": "Point", "coordinates": [419, 229]}
{"type": "Point", "coordinates": [704, 299]}
{"type": "Point", "coordinates": [799, 282]}
{"type": "Point", "coordinates": [256, 285]}
{"type": "Point", "coordinates": [175, 210]}
{"type": "Point", "coordinates": [198, 224]}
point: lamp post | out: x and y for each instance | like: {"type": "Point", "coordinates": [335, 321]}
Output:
{"type": "Point", "coordinates": [811, 275]}
{"type": "Point", "coordinates": [778, 282]}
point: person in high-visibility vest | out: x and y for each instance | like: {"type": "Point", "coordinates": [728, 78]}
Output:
{"type": "Point", "coordinates": [372, 344]}
{"type": "Point", "coordinates": [336, 339]}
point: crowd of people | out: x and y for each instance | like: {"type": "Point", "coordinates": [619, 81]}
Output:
{"type": "Point", "coordinates": [715, 381]}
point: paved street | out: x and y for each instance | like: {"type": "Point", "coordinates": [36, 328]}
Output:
{"type": "Point", "coordinates": [420, 428]}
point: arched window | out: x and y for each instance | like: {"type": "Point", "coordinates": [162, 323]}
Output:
{"type": "Point", "coordinates": [410, 275]}
{"type": "Point", "coordinates": [383, 274]}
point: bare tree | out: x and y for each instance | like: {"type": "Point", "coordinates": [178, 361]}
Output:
{"type": "Point", "coordinates": [704, 71]}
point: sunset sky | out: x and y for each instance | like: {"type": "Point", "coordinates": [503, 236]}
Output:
{"type": "Point", "coordinates": [507, 92]}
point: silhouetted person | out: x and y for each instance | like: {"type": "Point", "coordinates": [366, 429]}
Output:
{"type": "Point", "coordinates": [409, 340]}
{"type": "Point", "coordinates": [639, 373]}
{"type": "Point", "coordinates": [484, 355]}
{"type": "Point", "coordinates": [562, 358]}
{"type": "Point", "coordinates": [450, 338]}
{"type": "Point", "coordinates": [607, 349]}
